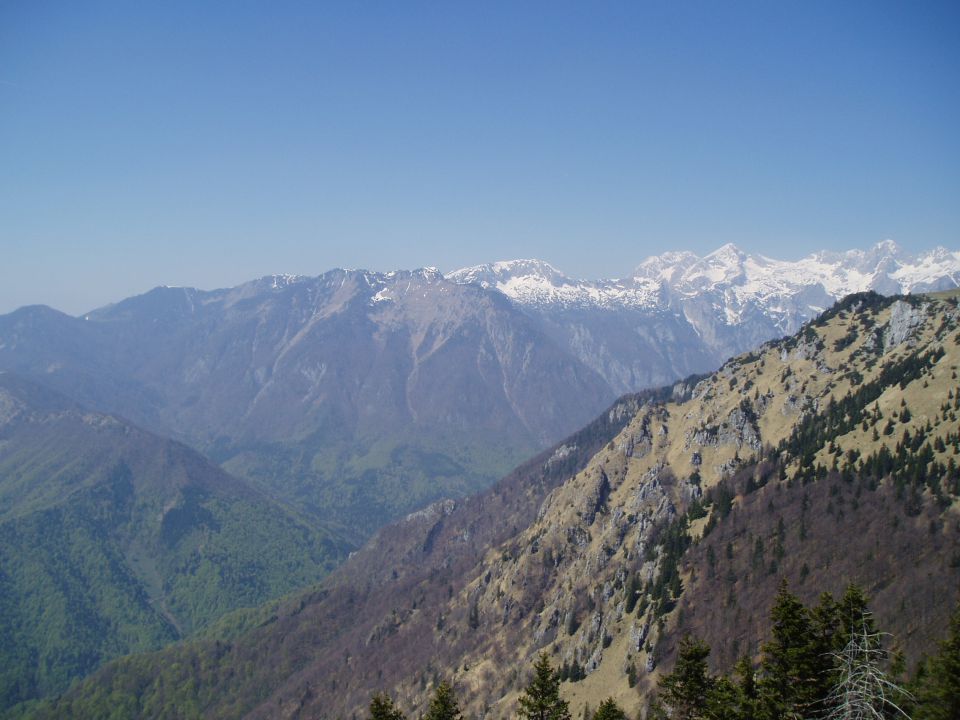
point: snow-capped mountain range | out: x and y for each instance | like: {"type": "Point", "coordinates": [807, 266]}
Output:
{"type": "Point", "coordinates": [713, 306]}
{"type": "Point", "coordinates": [743, 278]}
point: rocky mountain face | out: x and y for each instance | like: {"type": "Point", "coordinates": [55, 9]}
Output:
{"type": "Point", "coordinates": [359, 396]}
{"type": "Point", "coordinates": [678, 313]}
{"type": "Point", "coordinates": [114, 540]}
{"type": "Point", "coordinates": [350, 351]}
{"type": "Point", "coordinates": [824, 458]}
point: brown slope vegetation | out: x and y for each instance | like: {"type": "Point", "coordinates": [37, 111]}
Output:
{"type": "Point", "coordinates": [588, 570]}
{"type": "Point", "coordinates": [821, 537]}
{"type": "Point", "coordinates": [562, 583]}
{"type": "Point", "coordinates": [569, 570]}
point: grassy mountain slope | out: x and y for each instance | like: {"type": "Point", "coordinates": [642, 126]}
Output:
{"type": "Point", "coordinates": [113, 540]}
{"type": "Point", "coordinates": [620, 527]}
{"type": "Point", "coordinates": [604, 565]}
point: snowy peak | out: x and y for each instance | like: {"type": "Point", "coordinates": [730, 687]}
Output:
{"type": "Point", "coordinates": [539, 284]}
{"type": "Point", "coordinates": [888, 247]}
{"type": "Point", "coordinates": [727, 254]}
{"type": "Point", "coordinates": [680, 313]}
{"type": "Point", "coordinates": [504, 272]}
{"type": "Point", "coordinates": [666, 267]}
{"type": "Point", "coordinates": [279, 282]}
{"type": "Point", "coordinates": [723, 265]}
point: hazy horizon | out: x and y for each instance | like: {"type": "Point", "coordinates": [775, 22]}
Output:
{"type": "Point", "coordinates": [569, 272]}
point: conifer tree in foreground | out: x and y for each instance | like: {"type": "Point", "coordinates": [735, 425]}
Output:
{"type": "Point", "coordinates": [790, 661]}
{"type": "Point", "coordinates": [443, 705]}
{"type": "Point", "coordinates": [609, 710]}
{"type": "Point", "coordinates": [541, 700]}
{"type": "Point", "coordinates": [685, 691]}
{"type": "Point", "coordinates": [383, 708]}
{"type": "Point", "coordinates": [747, 691]}
{"type": "Point", "coordinates": [938, 689]}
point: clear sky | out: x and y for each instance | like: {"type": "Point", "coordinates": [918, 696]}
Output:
{"type": "Point", "coordinates": [207, 143]}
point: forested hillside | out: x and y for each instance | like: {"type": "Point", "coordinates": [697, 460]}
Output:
{"type": "Point", "coordinates": [113, 541]}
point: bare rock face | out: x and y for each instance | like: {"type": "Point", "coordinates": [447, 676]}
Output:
{"type": "Point", "coordinates": [806, 349]}
{"type": "Point", "coordinates": [562, 452]}
{"type": "Point", "coordinates": [434, 511]}
{"type": "Point", "coordinates": [10, 407]}
{"type": "Point", "coordinates": [638, 636]}
{"type": "Point", "coordinates": [905, 318]}
{"type": "Point", "coordinates": [595, 499]}
{"type": "Point", "coordinates": [741, 427]}
{"type": "Point", "coordinates": [796, 404]}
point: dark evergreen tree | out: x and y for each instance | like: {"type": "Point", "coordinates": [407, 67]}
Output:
{"type": "Point", "coordinates": [609, 710]}
{"type": "Point", "coordinates": [383, 708]}
{"type": "Point", "coordinates": [473, 619]}
{"type": "Point", "coordinates": [938, 689]}
{"type": "Point", "coordinates": [632, 592]}
{"type": "Point", "coordinates": [684, 691]}
{"type": "Point", "coordinates": [854, 614]}
{"type": "Point", "coordinates": [443, 705]}
{"type": "Point", "coordinates": [828, 637]}
{"type": "Point", "coordinates": [541, 699]}
{"type": "Point", "coordinates": [725, 701]}
{"type": "Point", "coordinates": [825, 618]}
{"type": "Point", "coordinates": [790, 664]}
{"type": "Point", "coordinates": [747, 686]}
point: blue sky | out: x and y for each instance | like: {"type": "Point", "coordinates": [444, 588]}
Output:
{"type": "Point", "coordinates": [204, 144]}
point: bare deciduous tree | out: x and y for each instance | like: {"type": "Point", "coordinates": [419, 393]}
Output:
{"type": "Point", "coordinates": [863, 691]}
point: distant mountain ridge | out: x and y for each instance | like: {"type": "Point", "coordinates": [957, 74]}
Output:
{"type": "Point", "coordinates": [359, 396]}
{"type": "Point", "coordinates": [316, 333]}
{"type": "Point", "coordinates": [678, 313]}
